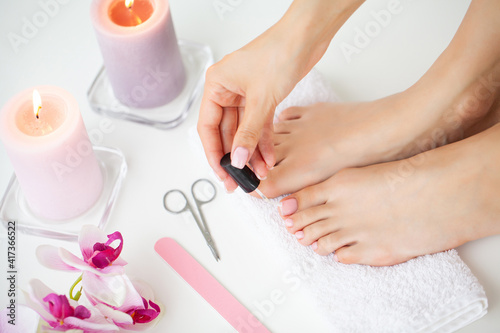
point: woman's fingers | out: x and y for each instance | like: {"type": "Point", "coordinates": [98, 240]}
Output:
{"type": "Point", "coordinates": [257, 115]}
{"type": "Point", "coordinates": [211, 115]}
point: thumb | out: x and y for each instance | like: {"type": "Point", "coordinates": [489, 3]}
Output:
{"type": "Point", "coordinates": [249, 131]}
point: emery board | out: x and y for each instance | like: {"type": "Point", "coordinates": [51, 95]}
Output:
{"type": "Point", "coordinates": [208, 287]}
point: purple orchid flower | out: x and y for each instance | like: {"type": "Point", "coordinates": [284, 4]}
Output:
{"type": "Point", "coordinates": [144, 314]}
{"type": "Point", "coordinates": [62, 314]}
{"type": "Point", "coordinates": [59, 307]}
{"type": "Point", "coordinates": [99, 255]}
{"type": "Point", "coordinates": [138, 312]}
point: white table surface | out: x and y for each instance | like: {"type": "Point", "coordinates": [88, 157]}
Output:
{"type": "Point", "coordinates": [65, 53]}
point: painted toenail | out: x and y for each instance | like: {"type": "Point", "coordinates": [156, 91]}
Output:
{"type": "Point", "coordinates": [335, 258]}
{"type": "Point", "coordinates": [239, 157]}
{"type": "Point", "coordinates": [288, 206]}
{"type": "Point", "coordinates": [289, 223]}
{"type": "Point", "coordinates": [299, 234]}
{"type": "Point", "coordinates": [314, 246]}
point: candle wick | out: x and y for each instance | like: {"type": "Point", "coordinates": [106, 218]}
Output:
{"type": "Point", "coordinates": [37, 112]}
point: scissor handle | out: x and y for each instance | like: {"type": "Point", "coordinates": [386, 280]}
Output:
{"type": "Point", "coordinates": [196, 197]}
{"type": "Point", "coordinates": [169, 208]}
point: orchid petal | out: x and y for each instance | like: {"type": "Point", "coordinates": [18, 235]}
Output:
{"type": "Point", "coordinates": [117, 316]}
{"type": "Point", "coordinates": [97, 324]}
{"type": "Point", "coordinates": [111, 270]}
{"type": "Point", "coordinates": [143, 289]}
{"type": "Point", "coordinates": [42, 312]}
{"type": "Point", "coordinates": [154, 305]}
{"type": "Point", "coordinates": [133, 297]}
{"type": "Point", "coordinates": [147, 293]}
{"type": "Point", "coordinates": [103, 258]}
{"type": "Point", "coordinates": [111, 238]}
{"type": "Point", "coordinates": [45, 329]}
{"type": "Point", "coordinates": [38, 290]}
{"type": "Point", "coordinates": [82, 312]}
{"type": "Point", "coordinates": [59, 306]}
{"type": "Point", "coordinates": [89, 235]}
{"type": "Point", "coordinates": [145, 326]}
{"type": "Point", "coordinates": [110, 289]}
{"type": "Point", "coordinates": [104, 254]}
{"type": "Point", "coordinates": [145, 316]}
{"type": "Point", "coordinates": [48, 256]}
{"type": "Point", "coordinates": [72, 260]}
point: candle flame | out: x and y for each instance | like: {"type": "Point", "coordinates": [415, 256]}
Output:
{"type": "Point", "coordinates": [129, 3]}
{"type": "Point", "coordinates": [37, 103]}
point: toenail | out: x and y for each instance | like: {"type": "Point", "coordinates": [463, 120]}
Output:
{"type": "Point", "coordinates": [288, 206]}
{"type": "Point", "coordinates": [335, 258]}
{"type": "Point", "coordinates": [289, 223]}
{"type": "Point", "coordinates": [314, 246]}
{"type": "Point", "coordinates": [299, 234]}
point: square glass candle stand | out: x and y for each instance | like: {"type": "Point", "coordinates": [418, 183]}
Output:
{"type": "Point", "coordinates": [196, 58]}
{"type": "Point", "coordinates": [14, 207]}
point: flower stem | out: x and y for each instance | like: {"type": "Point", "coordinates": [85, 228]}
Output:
{"type": "Point", "coordinates": [79, 292]}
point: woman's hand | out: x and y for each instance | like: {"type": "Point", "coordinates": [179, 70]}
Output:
{"type": "Point", "coordinates": [241, 94]}
{"type": "Point", "coordinates": [244, 88]}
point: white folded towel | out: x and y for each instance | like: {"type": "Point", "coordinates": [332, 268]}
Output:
{"type": "Point", "coordinates": [432, 293]}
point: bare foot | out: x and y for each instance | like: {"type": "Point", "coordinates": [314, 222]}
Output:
{"type": "Point", "coordinates": [388, 213]}
{"type": "Point", "coordinates": [313, 143]}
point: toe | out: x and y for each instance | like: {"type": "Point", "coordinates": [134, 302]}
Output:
{"type": "Point", "coordinates": [294, 112]}
{"type": "Point", "coordinates": [348, 255]}
{"type": "Point", "coordinates": [282, 128]}
{"type": "Point", "coordinates": [306, 217]}
{"type": "Point", "coordinates": [281, 150]}
{"type": "Point", "coordinates": [333, 241]}
{"type": "Point", "coordinates": [365, 254]}
{"type": "Point", "coordinates": [306, 198]}
{"type": "Point", "coordinates": [317, 230]}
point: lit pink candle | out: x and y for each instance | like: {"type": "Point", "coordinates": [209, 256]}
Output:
{"type": "Point", "coordinates": [51, 153]}
{"type": "Point", "coordinates": [140, 50]}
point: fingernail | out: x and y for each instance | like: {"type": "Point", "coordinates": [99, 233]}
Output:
{"type": "Point", "coordinates": [269, 167]}
{"type": "Point", "coordinates": [239, 157]}
{"type": "Point", "coordinates": [289, 223]}
{"type": "Point", "coordinates": [314, 246]}
{"type": "Point", "coordinates": [335, 258]}
{"type": "Point", "coordinates": [299, 234]}
{"type": "Point", "coordinates": [260, 177]}
{"type": "Point", "coordinates": [288, 206]}
{"type": "Point", "coordinates": [225, 188]}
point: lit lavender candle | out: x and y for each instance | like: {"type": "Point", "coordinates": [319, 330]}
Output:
{"type": "Point", "coordinates": [140, 50]}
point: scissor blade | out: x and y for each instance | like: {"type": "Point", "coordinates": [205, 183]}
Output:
{"type": "Point", "coordinates": [214, 251]}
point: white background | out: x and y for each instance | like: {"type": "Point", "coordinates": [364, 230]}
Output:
{"type": "Point", "coordinates": [65, 53]}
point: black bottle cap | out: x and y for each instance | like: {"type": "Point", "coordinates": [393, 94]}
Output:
{"type": "Point", "coordinates": [245, 177]}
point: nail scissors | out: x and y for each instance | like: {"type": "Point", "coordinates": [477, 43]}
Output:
{"type": "Point", "coordinates": [203, 192]}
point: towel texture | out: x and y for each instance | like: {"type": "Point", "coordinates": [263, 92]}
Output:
{"type": "Point", "coordinates": [432, 293]}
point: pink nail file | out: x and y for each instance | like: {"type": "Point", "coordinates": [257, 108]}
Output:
{"type": "Point", "coordinates": [208, 287]}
